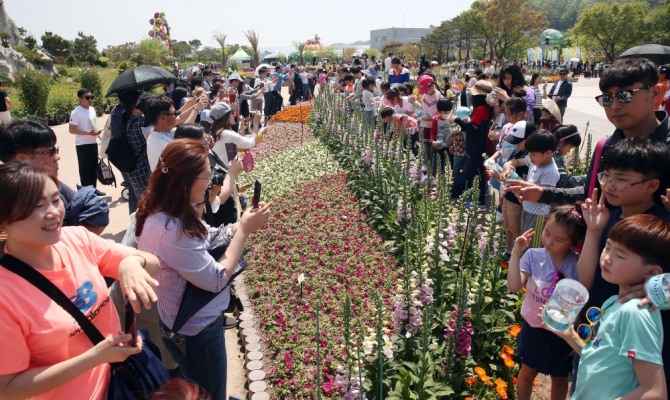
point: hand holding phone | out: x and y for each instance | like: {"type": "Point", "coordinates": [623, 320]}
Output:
{"type": "Point", "coordinates": [257, 194]}
{"type": "Point", "coordinates": [231, 151]}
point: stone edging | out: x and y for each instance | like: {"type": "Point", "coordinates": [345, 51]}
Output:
{"type": "Point", "coordinates": [250, 339]}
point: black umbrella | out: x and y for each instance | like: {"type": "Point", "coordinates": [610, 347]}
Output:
{"type": "Point", "coordinates": [141, 78]}
{"type": "Point", "coordinates": [655, 52]}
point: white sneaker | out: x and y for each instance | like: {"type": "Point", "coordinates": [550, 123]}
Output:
{"type": "Point", "coordinates": [499, 216]}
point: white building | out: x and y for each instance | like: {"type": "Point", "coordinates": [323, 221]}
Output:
{"type": "Point", "coordinates": [397, 36]}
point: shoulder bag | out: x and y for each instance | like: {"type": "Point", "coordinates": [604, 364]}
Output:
{"type": "Point", "coordinates": [135, 378]}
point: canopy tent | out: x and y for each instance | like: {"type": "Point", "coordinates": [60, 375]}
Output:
{"type": "Point", "coordinates": [271, 57]}
{"type": "Point", "coordinates": [240, 55]}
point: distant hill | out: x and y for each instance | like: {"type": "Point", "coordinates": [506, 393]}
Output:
{"type": "Point", "coordinates": [357, 43]}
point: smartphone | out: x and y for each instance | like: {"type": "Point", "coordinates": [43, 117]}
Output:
{"type": "Point", "coordinates": [257, 194]}
{"type": "Point", "coordinates": [231, 151]}
{"type": "Point", "coordinates": [133, 330]}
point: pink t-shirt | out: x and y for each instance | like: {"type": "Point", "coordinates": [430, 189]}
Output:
{"type": "Point", "coordinates": [539, 267]}
{"type": "Point", "coordinates": [37, 332]}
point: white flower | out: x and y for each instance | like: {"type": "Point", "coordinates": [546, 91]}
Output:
{"type": "Point", "coordinates": [301, 278]}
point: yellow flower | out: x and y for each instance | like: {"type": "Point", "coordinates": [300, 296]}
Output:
{"type": "Point", "coordinates": [480, 371]}
{"type": "Point", "coordinates": [514, 330]}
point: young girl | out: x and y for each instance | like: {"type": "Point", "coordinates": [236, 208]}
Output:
{"type": "Point", "coordinates": [370, 107]}
{"type": "Point", "coordinates": [540, 269]}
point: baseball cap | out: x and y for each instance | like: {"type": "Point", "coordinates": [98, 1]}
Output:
{"type": "Point", "coordinates": [424, 83]}
{"type": "Point", "coordinates": [520, 132]}
{"type": "Point", "coordinates": [219, 111]}
{"type": "Point", "coordinates": [433, 63]}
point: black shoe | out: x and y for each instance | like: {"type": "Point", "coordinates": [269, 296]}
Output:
{"type": "Point", "coordinates": [229, 323]}
{"type": "Point", "coordinates": [99, 193]}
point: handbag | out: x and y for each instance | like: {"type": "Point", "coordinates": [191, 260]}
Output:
{"type": "Point", "coordinates": [135, 378]}
{"type": "Point", "coordinates": [105, 173]}
{"type": "Point", "coordinates": [596, 165]}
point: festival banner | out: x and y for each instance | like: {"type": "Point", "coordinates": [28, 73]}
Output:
{"type": "Point", "coordinates": [540, 55]}
{"type": "Point", "coordinates": [568, 54]}
{"type": "Point", "coordinates": [578, 53]}
{"type": "Point", "coordinates": [554, 56]}
{"type": "Point", "coordinates": [530, 55]}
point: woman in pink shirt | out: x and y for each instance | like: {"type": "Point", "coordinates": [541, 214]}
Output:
{"type": "Point", "coordinates": [45, 354]}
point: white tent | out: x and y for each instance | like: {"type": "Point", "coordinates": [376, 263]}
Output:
{"type": "Point", "coordinates": [240, 55]}
{"type": "Point", "coordinates": [271, 57]}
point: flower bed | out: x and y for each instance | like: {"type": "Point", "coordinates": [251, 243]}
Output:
{"type": "Point", "coordinates": [284, 170]}
{"type": "Point", "coordinates": [297, 113]}
{"type": "Point", "coordinates": [318, 234]}
{"type": "Point", "coordinates": [280, 137]}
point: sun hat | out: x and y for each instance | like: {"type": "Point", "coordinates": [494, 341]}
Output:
{"type": "Point", "coordinates": [481, 88]}
{"type": "Point", "coordinates": [219, 111]}
{"type": "Point", "coordinates": [424, 83]}
{"type": "Point", "coordinates": [552, 107]}
{"type": "Point", "coordinates": [520, 132]}
{"type": "Point", "coordinates": [463, 112]}
{"type": "Point", "coordinates": [433, 62]}
{"type": "Point", "coordinates": [234, 75]}
{"type": "Point", "coordinates": [470, 73]}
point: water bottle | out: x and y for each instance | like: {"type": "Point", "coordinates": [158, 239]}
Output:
{"type": "Point", "coordinates": [658, 291]}
{"type": "Point", "coordinates": [491, 164]}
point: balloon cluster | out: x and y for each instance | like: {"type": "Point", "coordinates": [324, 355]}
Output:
{"type": "Point", "coordinates": [160, 29]}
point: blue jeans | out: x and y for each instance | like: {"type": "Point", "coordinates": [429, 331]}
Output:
{"type": "Point", "coordinates": [459, 164]}
{"type": "Point", "coordinates": [370, 117]}
{"type": "Point", "coordinates": [201, 358]}
{"type": "Point", "coordinates": [132, 198]}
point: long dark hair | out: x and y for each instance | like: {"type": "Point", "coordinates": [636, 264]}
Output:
{"type": "Point", "coordinates": [170, 184]}
{"type": "Point", "coordinates": [517, 78]}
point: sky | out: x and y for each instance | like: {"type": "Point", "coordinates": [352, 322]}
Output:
{"type": "Point", "coordinates": [278, 23]}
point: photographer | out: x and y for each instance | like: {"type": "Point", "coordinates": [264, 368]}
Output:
{"type": "Point", "coordinates": [223, 119]}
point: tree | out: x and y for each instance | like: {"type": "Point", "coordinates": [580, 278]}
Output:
{"type": "Point", "coordinates": [561, 14]}
{"type": "Point", "coordinates": [150, 52]}
{"type": "Point", "coordinates": [610, 26]}
{"type": "Point", "coordinates": [300, 47]}
{"type": "Point", "coordinates": [181, 49]}
{"type": "Point", "coordinates": [348, 53]}
{"type": "Point", "coordinates": [56, 45]}
{"type": "Point", "coordinates": [221, 40]}
{"type": "Point", "coordinates": [121, 52]}
{"type": "Point", "coordinates": [507, 23]}
{"type": "Point", "coordinates": [252, 37]}
{"type": "Point", "coordinates": [195, 45]}
{"type": "Point", "coordinates": [85, 48]}
{"type": "Point", "coordinates": [30, 42]}
{"type": "Point", "coordinates": [656, 19]}
{"type": "Point", "coordinates": [409, 52]}
{"type": "Point", "coordinates": [437, 44]}
{"type": "Point", "coordinates": [207, 54]}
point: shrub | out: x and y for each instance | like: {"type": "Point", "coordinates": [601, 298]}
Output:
{"type": "Point", "coordinates": [71, 60]}
{"type": "Point", "coordinates": [61, 102]}
{"type": "Point", "coordinates": [34, 87]}
{"type": "Point", "coordinates": [90, 79]}
{"type": "Point", "coordinates": [125, 65]}
{"type": "Point", "coordinates": [63, 71]}
{"type": "Point", "coordinates": [103, 62]}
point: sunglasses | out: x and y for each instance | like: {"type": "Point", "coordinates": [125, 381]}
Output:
{"type": "Point", "coordinates": [588, 331]}
{"type": "Point", "coordinates": [176, 113]}
{"type": "Point", "coordinates": [88, 97]}
{"type": "Point", "coordinates": [51, 152]}
{"type": "Point", "coordinates": [558, 276]}
{"type": "Point", "coordinates": [623, 96]}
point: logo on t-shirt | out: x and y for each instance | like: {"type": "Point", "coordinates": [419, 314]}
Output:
{"type": "Point", "coordinates": [631, 354]}
{"type": "Point", "coordinates": [85, 297]}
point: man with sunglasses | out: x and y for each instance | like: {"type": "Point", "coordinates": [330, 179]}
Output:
{"type": "Point", "coordinates": [629, 93]}
{"type": "Point", "coordinates": [32, 141]}
{"type": "Point", "coordinates": [561, 90]}
{"type": "Point", "coordinates": [82, 125]}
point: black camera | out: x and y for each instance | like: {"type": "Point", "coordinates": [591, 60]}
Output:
{"type": "Point", "coordinates": [218, 175]}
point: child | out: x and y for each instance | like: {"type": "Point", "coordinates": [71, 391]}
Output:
{"type": "Point", "coordinates": [634, 175]}
{"type": "Point", "coordinates": [512, 209]}
{"type": "Point", "coordinates": [440, 133]}
{"type": "Point", "coordinates": [404, 124]}
{"type": "Point", "coordinates": [542, 171]}
{"type": "Point", "coordinates": [456, 143]}
{"type": "Point", "coordinates": [620, 345]}
{"type": "Point", "coordinates": [429, 99]}
{"type": "Point", "coordinates": [369, 105]}
{"type": "Point", "coordinates": [540, 270]}
{"type": "Point", "coordinates": [568, 138]}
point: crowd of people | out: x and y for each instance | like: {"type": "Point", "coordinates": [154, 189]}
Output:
{"type": "Point", "coordinates": [609, 228]}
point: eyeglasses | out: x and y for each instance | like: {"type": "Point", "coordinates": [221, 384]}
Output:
{"type": "Point", "coordinates": [88, 97]}
{"type": "Point", "coordinates": [616, 185]}
{"type": "Point", "coordinates": [176, 113]}
{"type": "Point", "coordinates": [208, 179]}
{"type": "Point", "coordinates": [562, 74]}
{"type": "Point", "coordinates": [624, 97]}
{"type": "Point", "coordinates": [558, 275]}
{"type": "Point", "coordinates": [51, 152]}
{"type": "Point", "coordinates": [588, 331]}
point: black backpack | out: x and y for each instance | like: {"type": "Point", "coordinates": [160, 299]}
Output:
{"type": "Point", "coordinates": [121, 154]}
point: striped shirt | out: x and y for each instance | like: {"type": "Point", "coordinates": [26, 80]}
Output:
{"type": "Point", "coordinates": [185, 258]}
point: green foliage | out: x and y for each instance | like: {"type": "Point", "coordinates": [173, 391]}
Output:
{"type": "Point", "coordinates": [4, 39]}
{"type": "Point", "coordinates": [85, 48]}
{"type": "Point", "coordinates": [181, 49]}
{"type": "Point", "coordinates": [103, 62]}
{"type": "Point", "coordinates": [56, 45]}
{"type": "Point", "coordinates": [125, 65]}
{"type": "Point", "coordinates": [195, 45]}
{"type": "Point", "coordinates": [63, 71]}
{"type": "Point", "coordinates": [150, 52]}
{"type": "Point", "coordinates": [121, 52]}
{"type": "Point", "coordinates": [30, 55]}
{"type": "Point", "coordinates": [71, 60]}
{"type": "Point", "coordinates": [61, 102]}
{"type": "Point", "coordinates": [90, 79]}
{"type": "Point", "coordinates": [30, 42]}
{"type": "Point", "coordinates": [657, 24]}
{"type": "Point", "coordinates": [34, 87]}
{"type": "Point", "coordinates": [609, 26]}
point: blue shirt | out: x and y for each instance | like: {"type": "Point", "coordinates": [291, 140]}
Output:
{"type": "Point", "coordinates": [282, 78]}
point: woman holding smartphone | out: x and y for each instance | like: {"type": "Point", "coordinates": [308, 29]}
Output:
{"type": "Point", "coordinates": [169, 226]}
{"type": "Point", "coordinates": [45, 354]}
